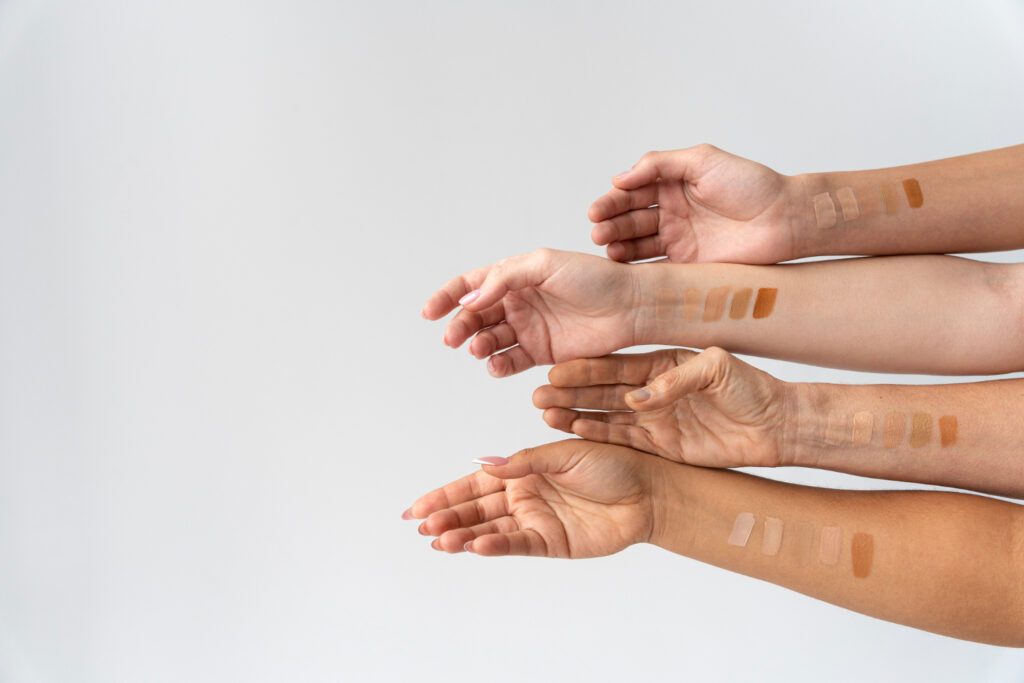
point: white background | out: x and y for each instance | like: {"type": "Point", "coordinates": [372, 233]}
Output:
{"type": "Point", "coordinates": [218, 222]}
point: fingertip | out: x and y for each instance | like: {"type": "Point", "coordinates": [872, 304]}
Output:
{"type": "Point", "coordinates": [617, 251]}
{"type": "Point", "coordinates": [597, 235]}
{"type": "Point", "coordinates": [496, 366]}
{"type": "Point", "coordinates": [539, 395]}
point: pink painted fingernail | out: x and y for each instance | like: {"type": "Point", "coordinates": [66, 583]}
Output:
{"type": "Point", "coordinates": [492, 460]}
{"type": "Point", "coordinates": [407, 514]}
{"type": "Point", "coordinates": [640, 395]}
{"type": "Point", "coordinates": [468, 547]}
{"type": "Point", "coordinates": [470, 298]}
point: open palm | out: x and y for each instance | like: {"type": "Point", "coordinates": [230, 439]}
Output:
{"type": "Point", "coordinates": [706, 409]}
{"type": "Point", "coordinates": [570, 499]}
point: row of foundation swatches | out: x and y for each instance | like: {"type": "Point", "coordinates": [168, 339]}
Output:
{"type": "Point", "coordinates": [715, 303]}
{"type": "Point", "coordinates": [801, 538]}
{"type": "Point", "coordinates": [888, 200]}
{"type": "Point", "coordinates": [858, 429]}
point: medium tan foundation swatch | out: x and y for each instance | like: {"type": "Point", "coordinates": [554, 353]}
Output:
{"type": "Point", "coordinates": [740, 303]}
{"type": "Point", "coordinates": [824, 210]}
{"type": "Point", "coordinates": [714, 304]}
{"type": "Point", "coordinates": [862, 552]}
{"type": "Point", "coordinates": [741, 529]}
{"type": "Point", "coordinates": [771, 541]}
{"type": "Point", "coordinates": [764, 304]}
{"type": "Point", "coordinates": [920, 430]}
{"type": "Point", "coordinates": [889, 199]}
{"type": "Point", "coordinates": [895, 428]}
{"type": "Point", "coordinates": [912, 189]}
{"type": "Point", "coordinates": [831, 545]}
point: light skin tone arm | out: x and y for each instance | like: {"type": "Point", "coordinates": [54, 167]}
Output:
{"type": "Point", "coordinates": [920, 314]}
{"type": "Point", "coordinates": [944, 562]}
{"type": "Point", "coordinates": [713, 410]}
{"type": "Point", "coordinates": [702, 204]}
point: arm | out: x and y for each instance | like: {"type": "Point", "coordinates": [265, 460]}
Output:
{"type": "Point", "coordinates": [944, 562]}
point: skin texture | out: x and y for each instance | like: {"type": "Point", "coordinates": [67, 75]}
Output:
{"type": "Point", "coordinates": [919, 314]}
{"type": "Point", "coordinates": [576, 499]}
{"type": "Point", "coordinates": [714, 206]}
{"type": "Point", "coordinates": [713, 410]}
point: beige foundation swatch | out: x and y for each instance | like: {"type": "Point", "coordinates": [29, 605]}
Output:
{"type": "Point", "coordinates": [862, 552]}
{"type": "Point", "coordinates": [740, 303]}
{"type": "Point", "coordinates": [920, 430]}
{"type": "Point", "coordinates": [863, 428]}
{"type": "Point", "coordinates": [824, 210]}
{"type": "Point", "coordinates": [799, 542]}
{"type": "Point", "coordinates": [764, 304]}
{"type": "Point", "coordinates": [947, 430]}
{"type": "Point", "coordinates": [837, 431]}
{"type": "Point", "coordinates": [848, 203]}
{"type": "Point", "coordinates": [912, 189]}
{"type": "Point", "coordinates": [691, 305]}
{"type": "Point", "coordinates": [714, 304]}
{"type": "Point", "coordinates": [831, 545]}
{"type": "Point", "coordinates": [772, 539]}
{"type": "Point", "coordinates": [895, 428]}
{"type": "Point", "coordinates": [889, 199]}
{"type": "Point", "coordinates": [741, 529]}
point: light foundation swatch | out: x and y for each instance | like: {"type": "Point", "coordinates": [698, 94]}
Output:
{"type": "Point", "coordinates": [771, 541]}
{"type": "Point", "coordinates": [741, 529]}
{"type": "Point", "coordinates": [831, 545]}
{"type": "Point", "coordinates": [858, 429]}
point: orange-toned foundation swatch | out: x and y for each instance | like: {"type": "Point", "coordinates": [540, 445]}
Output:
{"type": "Point", "coordinates": [740, 303]}
{"type": "Point", "coordinates": [895, 428]}
{"type": "Point", "coordinates": [912, 188]}
{"type": "Point", "coordinates": [947, 430]}
{"type": "Point", "coordinates": [862, 552]}
{"type": "Point", "coordinates": [831, 545]}
{"type": "Point", "coordinates": [714, 304]}
{"type": "Point", "coordinates": [920, 430]}
{"type": "Point", "coordinates": [765, 302]}
{"type": "Point", "coordinates": [771, 541]}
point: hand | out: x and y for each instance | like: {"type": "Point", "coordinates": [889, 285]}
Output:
{"type": "Point", "coordinates": [698, 205]}
{"type": "Point", "coordinates": [707, 409]}
{"type": "Point", "coordinates": [540, 308]}
{"type": "Point", "coordinates": [569, 499]}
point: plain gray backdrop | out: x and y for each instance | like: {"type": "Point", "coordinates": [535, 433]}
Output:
{"type": "Point", "coordinates": [218, 223]}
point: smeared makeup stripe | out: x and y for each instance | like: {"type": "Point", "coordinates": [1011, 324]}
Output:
{"type": "Point", "coordinates": [714, 304]}
{"type": "Point", "coordinates": [824, 210]}
{"type": "Point", "coordinates": [863, 428]}
{"type": "Point", "coordinates": [848, 203]}
{"type": "Point", "coordinates": [862, 552]}
{"type": "Point", "coordinates": [831, 545]}
{"type": "Point", "coordinates": [691, 304]}
{"type": "Point", "coordinates": [895, 427]}
{"type": "Point", "coordinates": [765, 302]}
{"type": "Point", "coordinates": [912, 188]}
{"type": "Point", "coordinates": [741, 529]}
{"type": "Point", "coordinates": [947, 430]}
{"type": "Point", "coordinates": [920, 430]}
{"type": "Point", "coordinates": [771, 541]}
{"type": "Point", "coordinates": [889, 199]}
{"type": "Point", "coordinates": [740, 303]}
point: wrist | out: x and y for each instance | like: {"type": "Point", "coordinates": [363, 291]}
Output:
{"type": "Point", "coordinates": [803, 222]}
{"type": "Point", "coordinates": [673, 526]}
{"type": "Point", "coordinates": [808, 407]}
{"type": "Point", "coordinates": [653, 304]}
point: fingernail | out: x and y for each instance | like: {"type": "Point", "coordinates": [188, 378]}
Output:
{"type": "Point", "coordinates": [468, 547]}
{"type": "Point", "coordinates": [436, 544]}
{"type": "Point", "coordinates": [493, 460]}
{"type": "Point", "coordinates": [422, 529]}
{"type": "Point", "coordinates": [492, 367]}
{"type": "Point", "coordinates": [469, 298]}
{"type": "Point", "coordinates": [624, 173]}
{"type": "Point", "coordinates": [407, 514]}
{"type": "Point", "coordinates": [640, 395]}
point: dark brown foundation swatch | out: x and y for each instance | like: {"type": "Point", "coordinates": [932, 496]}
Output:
{"type": "Point", "coordinates": [920, 430]}
{"type": "Point", "coordinates": [765, 302]}
{"type": "Point", "coordinates": [895, 427]}
{"type": "Point", "coordinates": [714, 304]}
{"type": "Point", "coordinates": [912, 189]}
{"type": "Point", "coordinates": [740, 303]}
{"type": "Point", "coordinates": [947, 430]}
{"type": "Point", "coordinates": [889, 199]}
{"type": "Point", "coordinates": [862, 551]}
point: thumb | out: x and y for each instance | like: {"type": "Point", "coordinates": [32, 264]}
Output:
{"type": "Point", "coordinates": [551, 458]}
{"type": "Point", "coordinates": [518, 272]}
{"type": "Point", "coordinates": [679, 164]}
{"type": "Point", "coordinates": [693, 376]}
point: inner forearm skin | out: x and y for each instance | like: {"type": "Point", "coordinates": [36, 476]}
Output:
{"type": "Point", "coordinates": [917, 314]}
{"type": "Point", "coordinates": [943, 562]}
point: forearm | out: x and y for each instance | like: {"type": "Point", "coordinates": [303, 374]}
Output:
{"type": "Point", "coordinates": [925, 314]}
{"type": "Point", "coordinates": [962, 204]}
{"type": "Point", "coordinates": [943, 562]}
{"type": "Point", "coordinates": [963, 435]}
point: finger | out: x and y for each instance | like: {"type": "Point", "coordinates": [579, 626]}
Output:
{"type": "Point", "coordinates": [467, 323]}
{"type": "Point", "coordinates": [636, 250]}
{"type": "Point", "coordinates": [518, 272]}
{"type": "Point", "coordinates": [492, 340]}
{"type": "Point", "coordinates": [639, 223]}
{"type": "Point", "coordinates": [601, 397]}
{"type": "Point", "coordinates": [447, 298]}
{"type": "Point", "coordinates": [524, 542]}
{"type": "Point", "coordinates": [694, 375]}
{"type": "Point", "coordinates": [560, 418]}
{"type": "Point", "coordinates": [607, 432]}
{"type": "Point", "coordinates": [461, 490]}
{"type": "Point", "coordinates": [617, 201]}
{"type": "Point", "coordinates": [510, 362]}
{"type": "Point", "coordinates": [680, 164]}
{"type": "Point", "coordinates": [552, 458]}
{"type": "Point", "coordinates": [475, 511]}
{"type": "Point", "coordinates": [618, 368]}
{"type": "Point", "coordinates": [455, 541]}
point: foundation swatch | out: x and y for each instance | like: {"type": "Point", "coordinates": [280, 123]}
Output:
{"type": "Point", "coordinates": [771, 541]}
{"type": "Point", "coordinates": [863, 428]}
{"type": "Point", "coordinates": [741, 529]}
{"type": "Point", "coordinates": [740, 303]}
{"type": "Point", "coordinates": [895, 427]}
{"type": "Point", "coordinates": [764, 304]}
{"type": "Point", "coordinates": [912, 189]}
{"type": "Point", "coordinates": [837, 431]}
{"type": "Point", "coordinates": [889, 199]}
{"type": "Point", "coordinates": [848, 203]}
{"type": "Point", "coordinates": [691, 304]}
{"type": "Point", "coordinates": [824, 210]}
{"type": "Point", "coordinates": [920, 430]}
{"type": "Point", "coordinates": [947, 430]}
{"type": "Point", "coordinates": [862, 552]}
{"type": "Point", "coordinates": [714, 304]}
{"type": "Point", "coordinates": [831, 545]}
{"type": "Point", "coordinates": [800, 542]}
